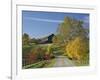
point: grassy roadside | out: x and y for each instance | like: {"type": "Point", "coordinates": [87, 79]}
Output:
{"type": "Point", "coordinates": [50, 64]}
{"type": "Point", "coordinates": [41, 64]}
{"type": "Point", "coordinates": [35, 65]}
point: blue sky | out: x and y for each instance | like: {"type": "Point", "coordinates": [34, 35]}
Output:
{"type": "Point", "coordinates": [39, 24]}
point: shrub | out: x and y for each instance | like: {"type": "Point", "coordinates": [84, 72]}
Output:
{"type": "Point", "coordinates": [40, 52]}
{"type": "Point", "coordinates": [47, 56]}
{"type": "Point", "coordinates": [30, 58]}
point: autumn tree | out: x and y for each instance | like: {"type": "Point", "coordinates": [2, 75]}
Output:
{"type": "Point", "coordinates": [77, 48]}
{"type": "Point", "coordinates": [63, 30]}
{"type": "Point", "coordinates": [69, 29]}
{"type": "Point", "coordinates": [74, 38]}
{"type": "Point", "coordinates": [25, 39]}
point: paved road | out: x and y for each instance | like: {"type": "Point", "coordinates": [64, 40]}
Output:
{"type": "Point", "coordinates": [63, 61]}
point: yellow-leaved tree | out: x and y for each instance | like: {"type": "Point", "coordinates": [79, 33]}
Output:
{"type": "Point", "coordinates": [77, 48]}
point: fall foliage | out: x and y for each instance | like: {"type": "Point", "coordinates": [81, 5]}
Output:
{"type": "Point", "coordinates": [77, 48]}
{"type": "Point", "coordinates": [74, 38]}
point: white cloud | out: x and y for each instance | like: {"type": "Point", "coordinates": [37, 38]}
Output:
{"type": "Point", "coordinates": [44, 20]}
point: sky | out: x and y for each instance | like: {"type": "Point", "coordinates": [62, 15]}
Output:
{"type": "Point", "coordinates": [39, 24]}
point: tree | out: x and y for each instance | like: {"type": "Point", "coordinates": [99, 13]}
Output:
{"type": "Point", "coordinates": [57, 39]}
{"type": "Point", "coordinates": [64, 29]}
{"type": "Point", "coordinates": [77, 48]}
{"type": "Point", "coordinates": [72, 38]}
{"type": "Point", "coordinates": [69, 29]}
{"type": "Point", "coordinates": [25, 39]}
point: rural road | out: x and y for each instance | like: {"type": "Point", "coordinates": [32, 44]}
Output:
{"type": "Point", "coordinates": [63, 61]}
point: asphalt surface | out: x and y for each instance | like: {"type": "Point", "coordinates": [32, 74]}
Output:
{"type": "Point", "coordinates": [63, 61]}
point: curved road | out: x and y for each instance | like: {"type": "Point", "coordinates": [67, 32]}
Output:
{"type": "Point", "coordinates": [63, 61]}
